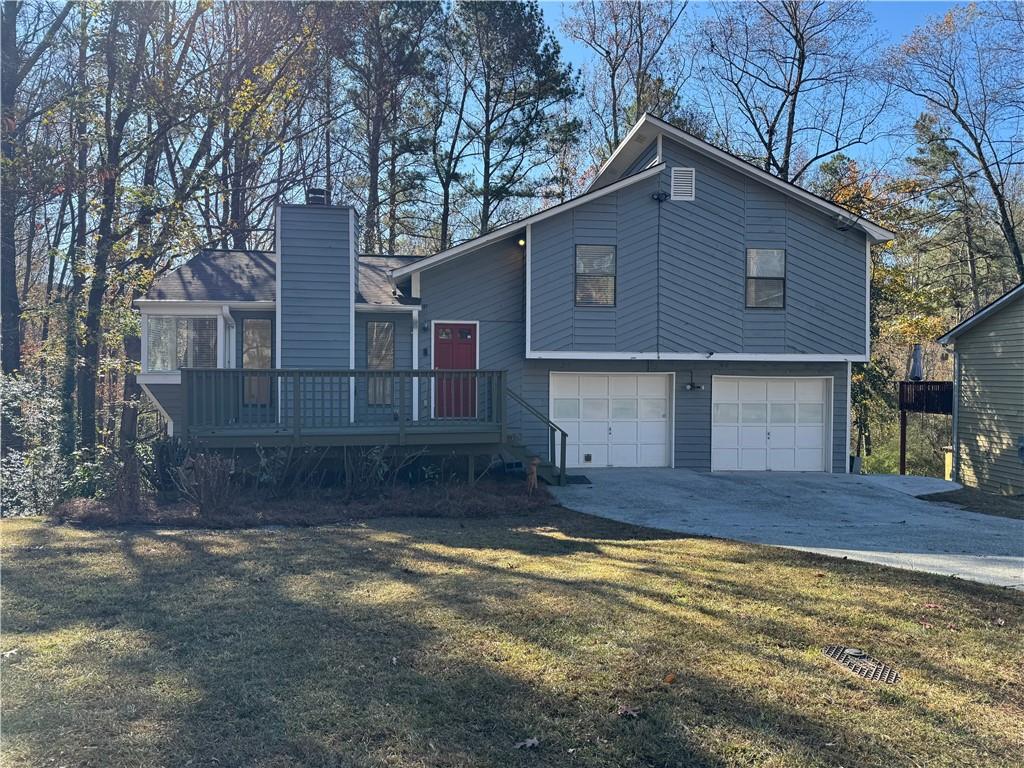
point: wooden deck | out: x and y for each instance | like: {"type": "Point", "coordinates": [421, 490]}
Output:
{"type": "Point", "coordinates": [236, 408]}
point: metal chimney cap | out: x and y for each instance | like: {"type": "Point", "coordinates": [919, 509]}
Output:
{"type": "Point", "coordinates": [316, 196]}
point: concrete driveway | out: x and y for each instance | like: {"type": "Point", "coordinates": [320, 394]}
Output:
{"type": "Point", "coordinates": [862, 517]}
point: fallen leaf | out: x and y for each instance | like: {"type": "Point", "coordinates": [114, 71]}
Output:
{"type": "Point", "coordinates": [933, 606]}
{"type": "Point", "coordinates": [819, 575]}
{"type": "Point", "coordinates": [531, 743]}
{"type": "Point", "coordinates": [626, 711]}
{"type": "Point", "coordinates": [669, 678]}
{"type": "Point", "coordinates": [951, 626]}
{"type": "Point", "coordinates": [925, 624]}
{"type": "Point", "coordinates": [1000, 622]}
{"type": "Point", "coordinates": [394, 661]}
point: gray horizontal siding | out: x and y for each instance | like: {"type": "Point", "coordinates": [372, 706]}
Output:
{"type": "Point", "coordinates": [315, 274]}
{"type": "Point", "coordinates": [681, 270]}
{"type": "Point", "coordinates": [486, 286]}
{"type": "Point", "coordinates": [990, 419]}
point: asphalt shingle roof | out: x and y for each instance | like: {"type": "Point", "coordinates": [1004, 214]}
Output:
{"type": "Point", "coordinates": [214, 275]}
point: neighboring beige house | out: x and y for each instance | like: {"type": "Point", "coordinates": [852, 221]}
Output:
{"type": "Point", "coordinates": [988, 404]}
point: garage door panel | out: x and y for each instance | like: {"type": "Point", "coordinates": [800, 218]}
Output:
{"type": "Point", "coordinates": [777, 423]}
{"type": "Point", "coordinates": [809, 437]}
{"type": "Point", "coordinates": [753, 459]}
{"type": "Point", "coordinates": [725, 459]}
{"type": "Point", "coordinates": [781, 389]}
{"type": "Point", "coordinates": [781, 460]}
{"type": "Point", "coordinates": [593, 386]}
{"type": "Point", "coordinates": [810, 390]}
{"type": "Point", "coordinates": [653, 432]}
{"type": "Point", "coordinates": [651, 386]}
{"type": "Point", "coordinates": [616, 419]}
{"type": "Point", "coordinates": [653, 455]}
{"type": "Point", "coordinates": [807, 460]}
{"type": "Point", "coordinates": [624, 455]}
{"type": "Point", "coordinates": [620, 386]}
{"type": "Point", "coordinates": [753, 437]}
{"type": "Point", "coordinates": [782, 437]}
{"type": "Point", "coordinates": [752, 390]}
{"type": "Point", "coordinates": [725, 437]}
{"type": "Point", "coordinates": [623, 432]}
{"type": "Point", "coordinates": [594, 431]}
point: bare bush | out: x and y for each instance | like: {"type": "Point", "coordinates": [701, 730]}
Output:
{"type": "Point", "coordinates": [207, 481]}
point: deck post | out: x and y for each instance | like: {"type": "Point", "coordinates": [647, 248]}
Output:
{"type": "Point", "coordinates": [502, 410]}
{"type": "Point", "coordinates": [185, 410]}
{"type": "Point", "coordinates": [401, 408]}
{"type": "Point", "coordinates": [561, 464]}
{"type": "Point", "coordinates": [296, 402]}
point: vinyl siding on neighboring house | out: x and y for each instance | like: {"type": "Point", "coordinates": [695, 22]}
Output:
{"type": "Point", "coordinates": [681, 271]}
{"type": "Point", "coordinates": [990, 417]}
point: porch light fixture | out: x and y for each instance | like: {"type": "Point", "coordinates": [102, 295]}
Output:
{"type": "Point", "coordinates": [522, 243]}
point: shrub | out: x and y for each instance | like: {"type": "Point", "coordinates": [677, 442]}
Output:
{"type": "Point", "coordinates": [35, 478]}
{"type": "Point", "coordinates": [207, 481]}
{"type": "Point", "coordinates": [166, 457]}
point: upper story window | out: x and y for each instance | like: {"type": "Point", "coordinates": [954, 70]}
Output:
{"type": "Point", "coordinates": [766, 278]}
{"type": "Point", "coordinates": [180, 342]}
{"type": "Point", "coordinates": [380, 356]}
{"type": "Point", "coordinates": [595, 275]}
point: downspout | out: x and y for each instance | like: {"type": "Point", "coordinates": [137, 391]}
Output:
{"type": "Point", "coordinates": [957, 375]}
{"type": "Point", "coordinates": [229, 336]}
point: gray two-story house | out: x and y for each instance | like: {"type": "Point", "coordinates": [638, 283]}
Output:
{"type": "Point", "coordinates": [688, 310]}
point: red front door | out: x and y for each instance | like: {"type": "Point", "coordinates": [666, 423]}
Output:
{"type": "Point", "coordinates": [455, 350]}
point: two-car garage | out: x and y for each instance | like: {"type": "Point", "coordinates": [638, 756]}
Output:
{"type": "Point", "coordinates": [756, 423]}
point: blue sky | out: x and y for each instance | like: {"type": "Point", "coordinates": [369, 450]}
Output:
{"type": "Point", "coordinates": [892, 19]}
{"type": "Point", "coordinates": [893, 22]}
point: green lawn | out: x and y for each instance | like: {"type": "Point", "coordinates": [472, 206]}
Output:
{"type": "Point", "coordinates": [430, 642]}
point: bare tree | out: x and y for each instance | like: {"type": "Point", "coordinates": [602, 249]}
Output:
{"type": "Point", "coordinates": [965, 68]}
{"type": "Point", "coordinates": [640, 63]}
{"type": "Point", "coordinates": [23, 44]}
{"type": "Point", "coordinates": [789, 83]}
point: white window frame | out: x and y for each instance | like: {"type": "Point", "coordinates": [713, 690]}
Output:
{"type": "Point", "coordinates": [147, 376]}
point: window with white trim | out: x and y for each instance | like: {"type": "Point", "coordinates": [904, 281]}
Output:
{"type": "Point", "coordinates": [380, 356]}
{"type": "Point", "coordinates": [766, 278]}
{"type": "Point", "coordinates": [595, 275]}
{"type": "Point", "coordinates": [684, 183]}
{"type": "Point", "coordinates": [179, 342]}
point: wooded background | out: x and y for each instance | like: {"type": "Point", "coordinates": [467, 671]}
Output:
{"type": "Point", "coordinates": [134, 134]}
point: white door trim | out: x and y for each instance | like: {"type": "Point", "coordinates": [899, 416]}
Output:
{"type": "Point", "coordinates": [671, 405]}
{"type": "Point", "coordinates": [829, 421]}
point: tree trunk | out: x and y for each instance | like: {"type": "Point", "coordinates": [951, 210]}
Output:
{"type": "Point", "coordinates": [10, 307]}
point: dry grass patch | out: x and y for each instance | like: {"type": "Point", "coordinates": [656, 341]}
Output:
{"type": "Point", "coordinates": [445, 642]}
{"type": "Point", "coordinates": [974, 500]}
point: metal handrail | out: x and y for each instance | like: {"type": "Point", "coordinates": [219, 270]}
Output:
{"type": "Point", "coordinates": [552, 428]}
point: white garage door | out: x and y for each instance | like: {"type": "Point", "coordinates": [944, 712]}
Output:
{"type": "Point", "coordinates": [613, 420]}
{"type": "Point", "coordinates": [779, 424]}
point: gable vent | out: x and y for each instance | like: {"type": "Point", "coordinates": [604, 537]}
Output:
{"type": "Point", "coordinates": [683, 184]}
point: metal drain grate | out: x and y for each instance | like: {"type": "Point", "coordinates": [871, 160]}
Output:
{"type": "Point", "coordinates": [861, 664]}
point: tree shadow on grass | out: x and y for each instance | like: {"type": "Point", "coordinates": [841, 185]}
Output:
{"type": "Point", "coordinates": [389, 643]}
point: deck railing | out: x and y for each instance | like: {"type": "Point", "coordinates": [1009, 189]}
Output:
{"type": "Point", "coordinates": [320, 403]}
